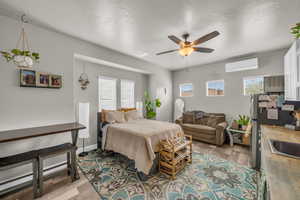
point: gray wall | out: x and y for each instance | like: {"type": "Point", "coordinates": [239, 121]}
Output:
{"type": "Point", "coordinates": [29, 107]}
{"type": "Point", "coordinates": [91, 93]}
{"type": "Point", "coordinates": [234, 102]}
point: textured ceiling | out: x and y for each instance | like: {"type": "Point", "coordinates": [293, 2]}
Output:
{"type": "Point", "coordinates": [140, 27]}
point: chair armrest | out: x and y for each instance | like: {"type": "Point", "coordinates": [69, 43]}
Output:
{"type": "Point", "coordinates": [220, 136]}
{"type": "Point", "coordinates": [179, 121]}
{"type": "Point", "coordinates": [222, 125]}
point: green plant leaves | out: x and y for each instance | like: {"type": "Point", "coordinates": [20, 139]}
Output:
{"type": "Point", "coordinates": [150, 105]}
{"type": "Point", "coordinates": [6, 55]}
{"type": "Point", "coordinates": [157, 103]}
{"type": "Point", "coordinates": [243, 120]}
{"type": "Point", "coordinates": [17, 52]}
{"type": "Point", "coordinates": [296, 31]}
{"type": "Point", "coordinates": [35, 56]}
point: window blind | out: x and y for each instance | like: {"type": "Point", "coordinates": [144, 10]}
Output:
{"type": "Point", "coordinates": [107, 93]}
{"type": "Point", "coordinates": [127, 94]}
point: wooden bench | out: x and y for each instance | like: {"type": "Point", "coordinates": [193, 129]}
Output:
{"type": "Point", "coordinates": [22, 159]}
{"type": "Point", "coordinates": [52, 152]}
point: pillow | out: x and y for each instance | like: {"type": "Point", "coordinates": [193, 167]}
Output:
{"type": "Point", "coordinates": [202, 121]}
{"type": "Point", "coordinates": [212, 121]}
{"type": "Point", "coordinates": [188, 118]}
{"type": "Point", "coordinates": [115, 117]}
{"type": "Point", "coordinates": [132, 115]}
{"type": "Point", "coordinates": [104, 113]}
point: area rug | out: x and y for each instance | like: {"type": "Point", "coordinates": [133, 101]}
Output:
{"type": "Point", "coordinates": [207, 178]}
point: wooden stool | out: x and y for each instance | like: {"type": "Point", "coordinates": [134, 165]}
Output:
{"type": "Point", "coordinates": [52, 152]}
{"type": "Point", "coordinates": [22, 159]}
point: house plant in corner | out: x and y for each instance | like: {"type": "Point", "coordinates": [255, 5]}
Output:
{"type": "Point", "coordinates": [150, 106]}
{"type": "Point", "coordinates": [243, 121]}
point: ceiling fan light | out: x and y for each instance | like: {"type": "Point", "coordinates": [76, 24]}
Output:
{"type": "Point", "coordinates": [186, 51]}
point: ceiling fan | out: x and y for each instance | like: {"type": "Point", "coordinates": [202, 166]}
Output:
{"type": "Point", "coordinates": [186, 47]}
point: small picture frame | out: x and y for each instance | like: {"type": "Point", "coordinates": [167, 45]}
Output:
{"type": "Point", "coordinates": [27, 78]}
{"type": "Point", "coordinates": [42, 79]}
{"type": "Point", "coordinates": [55, 81]}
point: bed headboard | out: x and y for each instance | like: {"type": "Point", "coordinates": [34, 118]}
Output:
{"type": "Point", "coordinates": [100, 121]}
{"type": "Point", "coordinates": [102, 113]}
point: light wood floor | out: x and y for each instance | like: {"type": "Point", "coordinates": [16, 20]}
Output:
{"type": "Point", "coordinates": [61, 187]}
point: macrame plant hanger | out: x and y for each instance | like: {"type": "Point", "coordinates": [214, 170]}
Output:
{"type": "Point", "coordinates": [23, 44]}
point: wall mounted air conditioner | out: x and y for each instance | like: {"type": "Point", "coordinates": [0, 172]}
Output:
{"type": "Point", "coordinates": [242, 65]}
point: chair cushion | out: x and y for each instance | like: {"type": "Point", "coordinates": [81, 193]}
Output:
{"type": "Point", "coordinates": [55, 149]}
{"type": "Point", "coordinates": [202, 121]}
{"type": "Point", "coordinates": [212, 122]}
{"type": "Point", "coordinates": [199, 128]}
{"type": "Point", "coordinates": [18, 158]}
{"type": "Point", "coordinates": [188, 117]}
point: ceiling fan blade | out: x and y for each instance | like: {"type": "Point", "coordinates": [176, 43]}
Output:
{"type": "Point", "coordinates": [175, 39]}
{"type": "Point", "coordinates": [203, 50]}
{"type": "Point", "coordinates": [206, 38]}
{"type": "Point", "coordinates": [164, 52]}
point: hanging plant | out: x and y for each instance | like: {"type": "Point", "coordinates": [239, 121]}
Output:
{"type": "Point", "coordinates": [83, 79]}
{"type": "Point", "coordinates": [296, 31]}
{"type": "Point", "coordinates": [21, 55]}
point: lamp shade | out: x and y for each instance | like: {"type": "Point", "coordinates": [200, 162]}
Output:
{"type": "Point", "coordinates": [84, 119]}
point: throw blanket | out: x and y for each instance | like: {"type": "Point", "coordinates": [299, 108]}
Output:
{"type": "Point", "coordinates": [199, 114]}
{"type": "Point", "coordinates": [139, 139]}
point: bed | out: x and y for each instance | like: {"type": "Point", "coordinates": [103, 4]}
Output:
{"type": "Point", "coordinates": [137, 139]}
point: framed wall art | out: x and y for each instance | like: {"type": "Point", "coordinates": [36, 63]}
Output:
{"type": "Point", "coordinates": [27, 78]}
{"type": "Point", "coordinates": [31, 78]}
{"type": "Point", "coordinates": [42, 79]}
{"type": "Point", "coordinates": [55, 81]}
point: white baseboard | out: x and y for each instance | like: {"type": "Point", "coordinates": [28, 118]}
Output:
{"type": "Point", "coordinates": [87, 148]}
{"type": "Point", "coordinates": [28, 177]}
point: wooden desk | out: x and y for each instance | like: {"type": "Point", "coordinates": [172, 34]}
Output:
{"type": "Point", "coordinates": [27, 133]}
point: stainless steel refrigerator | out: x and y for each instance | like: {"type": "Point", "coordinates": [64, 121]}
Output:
{"type": "Point", "coordinates": [259, 116]}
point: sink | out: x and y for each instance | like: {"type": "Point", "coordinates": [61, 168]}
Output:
{"type": "Point", "coordinates": [285, 148]}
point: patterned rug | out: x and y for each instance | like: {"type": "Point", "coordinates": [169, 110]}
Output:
{"type": "Point", "coordinates": [207, 178]}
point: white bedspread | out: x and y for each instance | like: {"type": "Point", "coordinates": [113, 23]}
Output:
{"type": "Point", "coordinates": [138, 139]}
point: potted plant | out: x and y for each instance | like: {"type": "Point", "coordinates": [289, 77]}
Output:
{"type": "Point", "coordinates": [150, 106]}
{"type": "Point", "coordinates": [21, 55]}
{"type": "Point", "coordinates": [243, 121]}
{"type": "Point", "coordinates": [22, 58]}
{"type": "Point", "coordinates": [295, 30]}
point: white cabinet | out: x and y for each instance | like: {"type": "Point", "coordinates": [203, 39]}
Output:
{"type": "Point", "coordinates": [292, 73]}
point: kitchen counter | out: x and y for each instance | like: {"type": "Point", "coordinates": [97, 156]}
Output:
{"type": "Point", "coordinates": [283, 173]}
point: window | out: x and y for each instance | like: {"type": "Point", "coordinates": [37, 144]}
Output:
{"type": "Point", "coordinates": [253, 85]}
{"type": "Point", "coordinates": [127, 94]}
{"type": "Point", "coordinates": [107, 93]}
{"type": "Point", "coordinates": [215, 88]}
{"type": "Point", "coordinates": [186, 90]}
